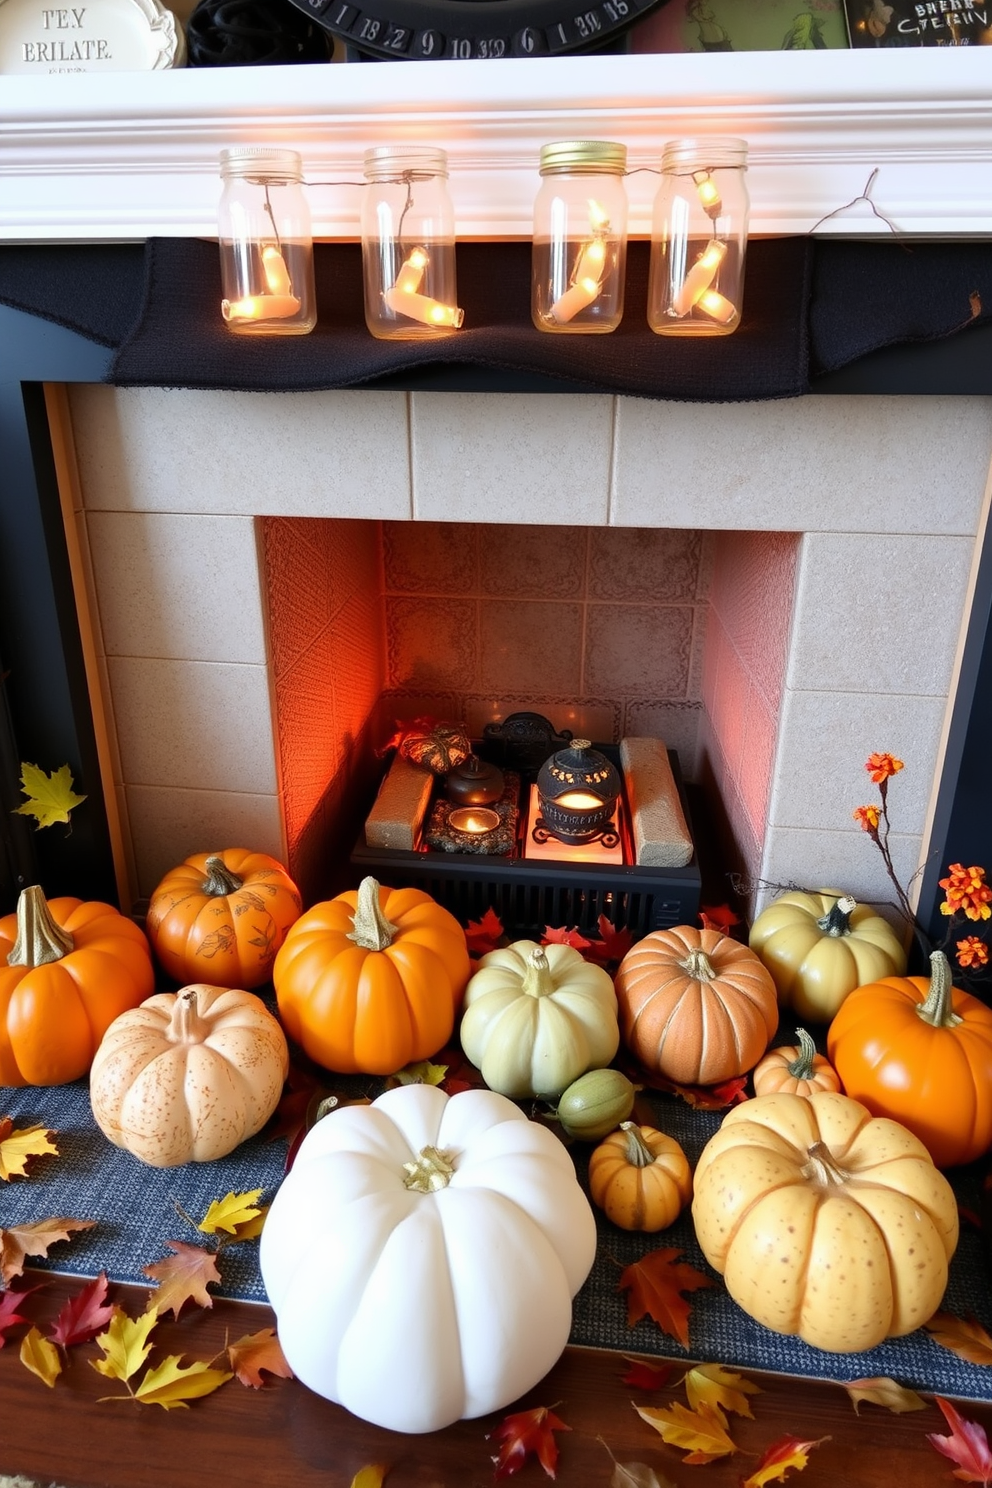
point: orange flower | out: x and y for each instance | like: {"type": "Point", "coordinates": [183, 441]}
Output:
{"type": "Point", "coordinates": [972, 952]}
{"type": "Point", "coordinates": [868, 817]}
{"type": "Point", "coordinates": [967, 892]}
{"type": "Point", "coordinates": [882, 767]}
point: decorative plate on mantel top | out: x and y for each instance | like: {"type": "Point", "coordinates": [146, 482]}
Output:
{"type": "Point", "coordinates": [91, 36]}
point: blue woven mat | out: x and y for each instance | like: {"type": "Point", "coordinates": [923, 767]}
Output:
{"type": "Point", "coordinates": [135, 1209]}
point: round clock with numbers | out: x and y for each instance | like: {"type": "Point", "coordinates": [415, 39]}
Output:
{"type": "Point", "coordinates": [460, 29]}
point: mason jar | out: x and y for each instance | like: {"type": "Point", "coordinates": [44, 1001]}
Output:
{"type": "Point", "coordinates": [266, 243]}
{"type": "Point", "coordinates": [408, 244]}
{"type": "Point", "coordinates": [579, 253]}
{"type": "Point", "coordinates": [699, 238]}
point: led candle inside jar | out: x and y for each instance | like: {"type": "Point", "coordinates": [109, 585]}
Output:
{"type": "Point", "coordinates": [699, 239]}
{"type": "Point", "coordinates": [580, 238]}
{"type": "Point", "coordinates": [408, 244]}
{"type": "Point", "coordinates": [266, 251]}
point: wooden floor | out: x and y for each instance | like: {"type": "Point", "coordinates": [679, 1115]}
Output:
{"type": "Point", "coordinates": [284, 1436]}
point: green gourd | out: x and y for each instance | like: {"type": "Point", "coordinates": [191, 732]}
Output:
{"type": "Point", "coordinates": [595, 1104]}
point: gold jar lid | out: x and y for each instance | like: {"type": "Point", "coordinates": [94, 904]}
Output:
{"type": "Point", "coordinates": [583, 156]}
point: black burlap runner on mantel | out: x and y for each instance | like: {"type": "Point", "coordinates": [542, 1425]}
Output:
{"type": "Point", "coordinates": [810, 306]}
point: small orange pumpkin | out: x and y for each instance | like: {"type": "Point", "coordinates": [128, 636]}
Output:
{"type": "Point", "coordinates": [640, 1178]}
{"type": "Point", "coordinates": [370, 981]}
{"type": "Point", "coordinates": [796, 1069]}
{"type": "Point", "coordinates": [695, 1006]}
{"type": "Point", "coordinates": [220, 918]}
{"type": "Point", "coordinates": [68, 968]}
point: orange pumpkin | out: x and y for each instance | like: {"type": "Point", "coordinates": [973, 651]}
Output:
{"type": "Point", "coordinates": [695, 1006]}
{"type": "Point", "coordinates": [640, 1178]}
{"type": "Point", "coordinates": [220, 918]}
{"type": "Point", "coordinates": [371, 980]}
{"type": "Point", "coordinates": [795, 1069]}
{"type": "Point", "coordinates": [920, 1052]}
{"type": "Point", "coordinates": [67, 969]}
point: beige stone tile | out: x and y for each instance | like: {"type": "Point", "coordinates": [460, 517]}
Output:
{"type": "Point", "coordinates": [632, 649]}
{"type": "Point", "coordinates": [193, 724]}
{"type": "Point", "coordinates": [280, 454]}
{"type": "Point", "coordinates": [168, 826]}
{"type": "Point", "coordinates": [511, 457]}
{"type": "Point", "coordinates": [816, 858]}
{"type": "Point", "coordinates": [531, 647]}
{"type": "Point", "coordinates": [643, 564]}
{"type": "Point", "coordinates": [431, 643]}
{"type": "Point", "coordinates": [430, 557]}
{"type": "Point", "coordinates": [518, 562]}
{"type": "Point", "coordinates": [819, 463]}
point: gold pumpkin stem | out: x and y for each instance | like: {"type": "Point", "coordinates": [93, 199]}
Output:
{"type": "Point", "coordinates": [185, 1024]}
{"type": "Point", "coordinates": [40, 939]}
{"type": "Point", "coordinates": [639, 1154]}
{"type": "Point", "coordinates": [537, 978]}
{"type": "Point", "coordinates": [823, 1167]}
{"type": "Point", "coordinates": [697, 964]}
{"type": "Point", "coordinates": [837, 920]}
{"type": "Point", "coordinates": [801, 1068]}
{"type": "Point", "coordinates": [220, 881]}
{"type": "Point", "coordinates": [431, 1171]}
{"type": "Point", "coordinates": [371, 930]}
{"type": "Point", "coordinates": [937, 1008]}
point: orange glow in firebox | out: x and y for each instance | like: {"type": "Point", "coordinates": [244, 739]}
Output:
{"type": "Point", "coordinates": [554, 851]}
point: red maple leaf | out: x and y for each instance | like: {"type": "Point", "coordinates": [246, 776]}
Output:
{"type": "Point", "coordinates": [571, 937]}
{"type": "Point", "coordinates": [524, 1432]}
{"type": "Point", "coordinates": [789, 1453]}
{"type": "Point", "coordinates": [718, 917]}
{"type": "Point", "coordinates": [655, 1285]}
{"type": "Point", "coordinates": [83, 1316]}
{"type": "Point", "coordinates": [704, 1097]}
{"type": "Point", "coordinates": [484, 935]}
{"type": "Point", "coordinates": [967, 1445]}
{"type": "Point", "coordinates": [9, 1315]}
{"type": "Point", "coordinates": [645, 1376]}
{"type": "Point", "coordinates": [616, 943]}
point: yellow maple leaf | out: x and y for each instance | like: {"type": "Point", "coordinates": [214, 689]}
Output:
{"type": "Point", "coordinates": [235, 1215]}
{"type": "Point", "coordinates": [371, 1476]}
{"type": "Point", "coordinates": [18, 1147]}
{"type": "Point", "coordinates": [722, 1388]}
{"type": "Point", "coordinates": [171, 1384]}
{"type": "Point", "coordinates": [41, 1357]}
{"type": "Point", "coordinates": [702, 1433]}
{"type": "Point", "coordinates": [421, 1073]}
{"type": "Point", "coordinates": [125, 1344]}
{"type": "Point", "coordinates": [880, 1390]}
{"type": "Point", "coordinates": [787, 1454]}
{"type": "Point", "coordinates": [50, 798]}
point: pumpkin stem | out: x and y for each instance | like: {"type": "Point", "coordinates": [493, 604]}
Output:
{"type": "Point", "coordinates": [40, 939]}
{"type": "Point", "coordinates": [537, 978]}
{"type": "Point", "coordinates": [220, 881]}
{"type": "Point", "coordinates": [801, 1068]}
{"type": "Point", "coordinates": [697, 964]}
{"type": "Point", "coordinates": [185, 1024]}
{"type": "Point", "coordinates": [837, 920]}
{"type": "Point", "coordinates": [937, 1008]}
{"type": "Point", "coordinates": [822, 1166]}
{"type": "Point", "coordinates": [371, 930]}
{"type": "Point", "coordinates": [430, 1172]}
{"type": "Point", "coordinates": [639, 1154]}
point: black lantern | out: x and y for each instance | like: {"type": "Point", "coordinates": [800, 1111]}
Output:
{"type": "Point", "coordinates": [578, 789]}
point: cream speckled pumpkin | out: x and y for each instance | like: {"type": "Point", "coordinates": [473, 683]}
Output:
{"type": "Point", "coordinates": [188, 1075]}
{"type": "Point", "coordinates": [824, 1220]}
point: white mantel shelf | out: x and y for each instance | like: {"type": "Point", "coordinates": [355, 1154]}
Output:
{"type": "Point", "coordinates": [125, 156]}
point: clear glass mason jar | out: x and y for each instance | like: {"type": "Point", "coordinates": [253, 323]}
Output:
{"type": "Point", "coordinates": [408, 244]}
{"type": "Point", "coordinates": [579, 249]}
{"type": "Point", "coordinates": [266, 243]}
{"type": "Point", "coordinates": [699, 238]}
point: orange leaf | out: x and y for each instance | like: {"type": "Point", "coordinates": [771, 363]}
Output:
{"type": "Point", "coordinates": [17, 1148]}
{"type": "Point", "coordinates": [718, 917]}
{"type": "Point", "coordinates": [573, 937]}
{"type": "Point", "coordinates": [884, 1391]}
{"type": "Point", "coordinates": [655, 1283]}
{"type": "Point", "coordinates": [183, 1277]}
{"type": "Point", "coordinates": [703, 1432]}
{"type": "Point", "coordinates": [967, 1445]}
{"type": "Point", "coordinates": [787, 1454]}
{"type": "Point", "coordinates": [34, 1239]}
{"type": "Point", "coordinates": [524, 1432]}
{"type": "Point", "coordinates": [248, 1356]}
{"type": "Point", "coordinates": [963, 1336]}
{"type": "Point", "coordinates": [484, 935]}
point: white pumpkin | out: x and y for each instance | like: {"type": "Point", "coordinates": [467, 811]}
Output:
{"type": "Point", "coordinates": [537, 1017]}
{"type": "Point", "coordinates": [422, 1254]}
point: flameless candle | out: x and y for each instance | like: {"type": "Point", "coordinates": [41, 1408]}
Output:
{"type": "Point", "coordinates": [579, 800]}
{"type": "Point", "coordinates": [260, 307]}
{"type": "Point", "coordinates": [422, 307]}
{"type": "Point", "coordinates": [587, 279]}
{"type": "Point", "coordinates": [473, 819]}
{"type": "Point", "coordinates": [717, 306]}
{"type": "Point", "coordinates": [409, 277]}
{"type": "Point", "coordinates": [276, 272]}
{"type": "Point", "coordinates": [699, 277]}
{"type": "Point", "coordinates": [709, 195]}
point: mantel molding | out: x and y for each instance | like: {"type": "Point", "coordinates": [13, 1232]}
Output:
{"type": "Point", "coordinates": [125, 156]}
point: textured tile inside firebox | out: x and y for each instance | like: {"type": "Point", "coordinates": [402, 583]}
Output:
{"type": "Point", "coordinates": [531, 646]}
{"type": "Point", "coordinates": [431, 643]}
{"type": "Point", "coordinates": [430, 557]}
{"type": "Point", "coordinates": [644, 564]}
{"type": "Point", "coordinates": [533, 562]}
{"type": "Point", "coordinates": [298, 600]}
{"type": "Point", "coordinates": [633, 649]}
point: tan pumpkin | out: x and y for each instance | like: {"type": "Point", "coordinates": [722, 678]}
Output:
{"type": "Point", "coordinates": [796, 1069]}
{"type": "Point", "coordinates": [825, 1221]}
{"type": "Point", "coordinates": [640, 1178]}
{"type": "Point", "coordinates": [695, 1006]}
{"type": "Point", "coordinates": [188, 1075]}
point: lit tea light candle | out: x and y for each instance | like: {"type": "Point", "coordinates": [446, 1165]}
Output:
{"type": "Point", "coordinates": [708, 193]}
{"type": "Point", "coordinates": [579, 801]}
{"type": "Point", "coordinates": [474, 820]}
{"type": "Point", "coordinates": [717, 306]}
{"type": "Point", "coordinates": [700, 277]}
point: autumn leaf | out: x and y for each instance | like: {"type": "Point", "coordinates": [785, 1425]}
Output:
{"type": "Point", "coordinates": [233, 1215]}
{"type": "Point", "coordinates": [183, 1277]}
{"type": "Point", "coordinates": [34, 1239]}
{"type": "Point", "coordinates": [707, 1097]}
{"type": "Point", "coordinates": [787, 1454]}
{"type": "Point", "coordinates": [634, 1474]}
{"type": "Point", "coordinates": [482, 936]}
{"type": "Point", "coordinates": [718, 917]}
{"type": "Point", "coordinates": [50, 798]}
{"type": "Point", "coordinates": [17, 1148]}
{"type": "Point", "coordinates": [967, 1445]}
{"type": "Point", "coordinates": [701, 1433]}
{"type": "Point", "coordinates": [711, 1384]}
{"type": "Point", "coordinates": [963, 1336]}
{"type": "Point", "coordinates": [172, 1383]}
{"type": "Point", "coordinates": [646, 1376]}
{"type": "Point", "coordinates": [421, 1073]}
{"type": "Point", "coordinates": [9, 1315]}
{"type": "Point", "coordinates": [371, 1476]}
{"type": "Point", "coordinates": [41, 1357]}
{"type": "Point", "coordinates": [83, 1316]}
{"type": "Point", "coordinates": [881, 1390]}
{"type": "Point", "coordinates": [654, 1284]}
{"type": "Point", "coordinates": [255, 1352]}
{"type": "Point", "coordinates": [616, 943]}
{"type": "Point", "coordinates": [524, 1432]}
{"type": "Point", "coordinates": [573, 938]}
{"type": "Point", "coordinates": [125, 1345]}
